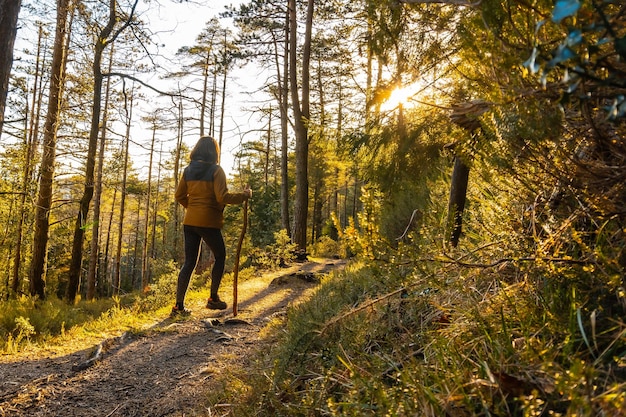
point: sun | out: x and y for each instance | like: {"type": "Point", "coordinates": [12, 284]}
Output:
{"type": "Point", "coordinates": [402, 96]}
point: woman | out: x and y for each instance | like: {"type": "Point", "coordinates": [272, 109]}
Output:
{"type": "Point", "coordinates": [203, 192]}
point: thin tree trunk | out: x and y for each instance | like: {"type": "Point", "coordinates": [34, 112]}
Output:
{"type": "Point", "coordinates": [223, 106]}
{"type": "Point", "coordinates": [95, 236]}
{"type": "Point", "coordinates": [104, 39]}
{"type": "Point", "coordinates": [133, 268]}
{"type": "Point", "coordinates": [317, 211]}
{"type": "Point", "coordinates": [3, 244]}
{"type": "Point", "coordinates": [301, 112]}
{"type": "Point", "coordinates": [104, 275]}
{"type": "Point", "coordinates": [118, 254]}
{"type": "Point", "coordinates": [155, 211]}
{"type": "Point", "coordinates": [9, 12]}
{"type": "Point", "coordinates": [31, 145]}
{"type": "Point", "coordinates": [177, 255]}
{"type": "Point", "coordinates": [81, 219]}
{"type": "Point", "coordinates": [44, 198]}
{"type": "Point", "coordinates": [205, 86]}
{"type": "Point", "coordinates": [355, 196]}
{"type": "Point", "coordinates": [268, 149]}
{"type": "Point", "coordinates": [145, 266]}
{"type": "Point", "coordinates": [213, 101]}
{"type": "Point", "coordinates": [456, 204]}
{"type": "Point", "coordinates": [283, 83]}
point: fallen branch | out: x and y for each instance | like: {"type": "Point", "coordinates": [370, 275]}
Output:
{"type": "Point", "coordinates": [497, 262]}
{"type": "Point", "coordinates": [458, 262]}
{"type": "Point", "coordinates": [98, 353]}
{"type": "Point", "coordinates": [360, 308]}
{"type": "Point", "coordinates": [408, 226]}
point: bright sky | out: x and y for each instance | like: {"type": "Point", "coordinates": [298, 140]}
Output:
{"type": "Point", "coordinates": [177, 24]}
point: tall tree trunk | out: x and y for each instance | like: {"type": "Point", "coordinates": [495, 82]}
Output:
{"type": "Point", "coordinates": [145, 265]}
{"type": "Point", "coordinates": [102, 277]}
{"type": "Point", "coordinates": [177, 256]}
{"type": "Point", "coordinates": [120, 233]}
{"type": "Point", "coordinates": [466, 116]}
{"type": "Point", "coordinates": [83, 209]}
{"type": "Point", "coordinates": [132, 269]}
{"type": "Point", "coordinates": [95, 236]}
{"type": "Point", "coordinates": [9, 11]}
{"type": "Point", "coordinates": [456, 203]}
{"type": "Point", "coordinates": [318, 204]}
{"type": "Point", "coordinates": [283, 99]}
{"type": "Point", "coordinates": [155, 212]}
{"type": "Point", "coordinates": [301, 112]}
{"type": "Point", "coordinates": [31, 145]}
{"type": "Point", "coordinates": [224, 77]}
{"type": "Point", "coordinates": [318, 174]}
{"type": "Point", "coordinates": [268, 145]}
{"type": "Point", "coordinates": [104, 39]}
{"type": "Point", "coordinates": [213, 101]}
{"type": "Point", "coordinates": [44, 198]}
{"type": "Point", "coordinates": [205, 86]}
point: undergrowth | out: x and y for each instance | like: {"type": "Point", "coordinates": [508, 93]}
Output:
{"type": "Point", "coordinates": [399, 339]}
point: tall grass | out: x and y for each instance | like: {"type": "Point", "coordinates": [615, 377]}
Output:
{"type": "Point", "coordinates": [28, 323]}
{"type": "Point", "coordinates": [384, 339]}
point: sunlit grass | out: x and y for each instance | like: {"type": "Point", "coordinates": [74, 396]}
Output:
{"type": "Point", "coordinates": [384, 339]}
{"type": "Point", "coordinates": [58, 328]}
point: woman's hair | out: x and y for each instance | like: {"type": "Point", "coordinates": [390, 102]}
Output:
{"type": "Point", "coordinates": [206, 150]}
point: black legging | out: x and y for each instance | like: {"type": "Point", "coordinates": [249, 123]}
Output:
{"type": "Point", "coordinates": [193, 237]}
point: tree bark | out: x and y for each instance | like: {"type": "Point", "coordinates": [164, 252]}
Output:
{"type": "Point", "coordinates": [120, 234]}
{"type": "Point", "coordinates": [456, 204]}
{"type": "Point", "coordinates": [31, 145]}
{"type": "Point", "coordinates": [225, 68]}
{"type": "Point", "coordinates": [9, 11]}
{"type": "Point", "coordinates": [95, 236]}
{"type": "Point", "coordinates": [44, 198]}
{"type": "Point", "coordinates": [145, 264]}
{"type": "Point", "coordinates": [466, 116]}
{"type": "Point", "coordinates": [104, 39]}
{"type": "Point", "coordinates": [177, 255]}
{"type": "Point", "coordinates": [301, 112]}
{"type": "Point", "coordinates": [81, 219]}
{"type": "Point", "coordinates": [283, 99]}
{"type": "Point", "coordinates": [205, 86]}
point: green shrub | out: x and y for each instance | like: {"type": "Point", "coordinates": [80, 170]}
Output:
{"type": "Point", "coordinates": [279, 253]}
{"type": "Point", "coordinates": [325, 247]}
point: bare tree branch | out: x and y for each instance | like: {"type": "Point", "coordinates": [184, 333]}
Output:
{"type": "Point", "coordinates": [130, 77]}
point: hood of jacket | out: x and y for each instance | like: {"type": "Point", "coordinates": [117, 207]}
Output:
{"type": "Point", "coordinates": [200, 171]}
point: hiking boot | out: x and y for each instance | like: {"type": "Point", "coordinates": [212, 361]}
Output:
{"type": "Point", "coordinates": [179, 312]}
{"type": "Point", "coordinates": [215, 304]}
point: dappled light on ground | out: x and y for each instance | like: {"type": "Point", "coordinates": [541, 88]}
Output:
{"type": "Point", "coordinates": [163, 370]}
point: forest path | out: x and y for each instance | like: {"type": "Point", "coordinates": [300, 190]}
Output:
{"type": "Point", "coordinates": [166, 369]}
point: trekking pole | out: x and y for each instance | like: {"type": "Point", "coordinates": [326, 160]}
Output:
{"type": "Point", "coordinates": [236, 271]}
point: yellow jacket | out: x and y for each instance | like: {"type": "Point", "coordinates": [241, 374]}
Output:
{"type": "Point", "coordinates": [203, 192]}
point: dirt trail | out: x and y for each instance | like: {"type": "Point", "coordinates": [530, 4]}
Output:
{"type": "Point", "coordinates": [165, 370]}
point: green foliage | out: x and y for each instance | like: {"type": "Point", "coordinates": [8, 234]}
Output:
{"type": "Point", "coordinates": [265, 212]}
{"type": "Point", "coordinates": [326, 247]}
{"type": "Point", "coordinates": [25, 320]}
{"type": "Point", "coordinates": [280, 253]}
{"type": "Point", "coordinates": [408, 339]}
{"type": "Point", "coordinates": [162, 288]}
{"type": "Point", "coordinates": [590, 41]}
{"type": "Point", "coordinates": [23, 331]}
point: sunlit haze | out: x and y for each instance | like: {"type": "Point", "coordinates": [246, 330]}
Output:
{"type": "Point", "coordinates": [402, 95]}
